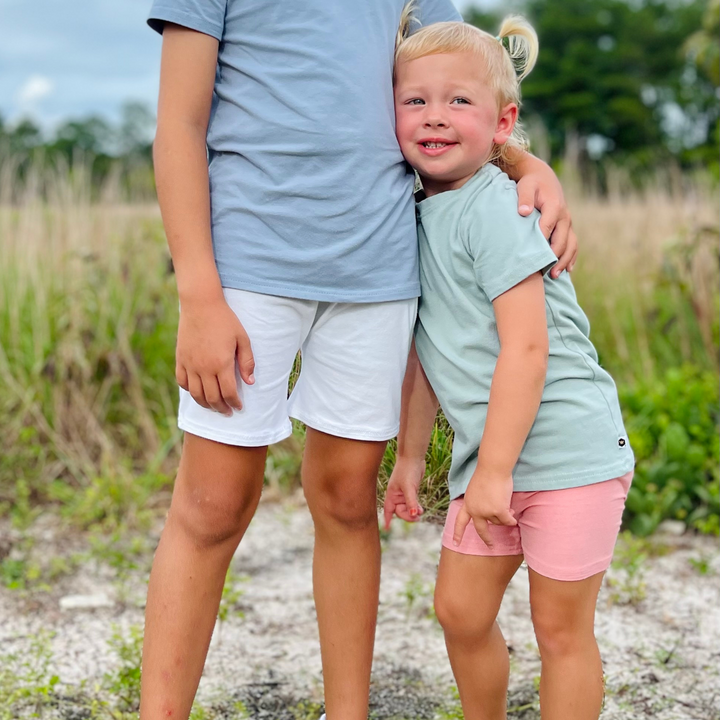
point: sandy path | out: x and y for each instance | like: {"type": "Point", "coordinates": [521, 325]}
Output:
{"type": "Point", "coordinates": [662, 654]}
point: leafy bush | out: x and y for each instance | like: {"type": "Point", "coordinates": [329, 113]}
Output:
{"type": "Point", "coordinates": [673, 429]}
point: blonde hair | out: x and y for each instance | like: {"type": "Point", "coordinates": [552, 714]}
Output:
{"type": "Point", "coordinates": [505, 67]}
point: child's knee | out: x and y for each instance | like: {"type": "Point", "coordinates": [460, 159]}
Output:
{"type": "Point", "coordinates": [345, 500]}
{"type": "Point", "coordinates": [556, 636]}
{"type": "Point", "coordinates": [210, 519]}
{"type": "Point", "coordinates": [347, 512]}
{"type": "Point", "coordinates": [460, 619]}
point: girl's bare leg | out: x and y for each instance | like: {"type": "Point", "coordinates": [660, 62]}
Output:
{"type": "Point", "coordinates": [216, 494]}
{"type": "Point", "coordinates": [468, 594]}
{"type": "Point", "coordinates": [339, 479]}
{"type": "Point", "coordinates": [571, 683]}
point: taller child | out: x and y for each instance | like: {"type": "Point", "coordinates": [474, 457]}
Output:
{"type": "Point", "coordinates": [289, 214]}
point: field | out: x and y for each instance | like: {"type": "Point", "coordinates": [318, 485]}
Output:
{"type": "Point", "coordinates": [88, 313]}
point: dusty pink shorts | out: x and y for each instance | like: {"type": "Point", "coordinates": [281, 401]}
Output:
{"type": "Point", "coordinates": [563, 534]}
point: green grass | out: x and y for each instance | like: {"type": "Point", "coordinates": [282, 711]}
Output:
{"type": "Point", "coordinates": [88, 316]}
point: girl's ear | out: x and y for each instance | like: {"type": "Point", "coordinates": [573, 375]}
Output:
{"type": "Point", "coordinates": [505, 124]}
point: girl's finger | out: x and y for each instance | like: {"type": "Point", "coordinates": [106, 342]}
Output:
{"type": "Point", "coordinates": [482, 527]}
{"type": "Point", "coordinates": [461, 522]}
{"type": "Point", "coordinates": [181, 376]}
{"type": "Point", "coordinates": [388, 510]}
{"type": "Point", "coordinates": [526, 196]}
{"type": "Point", "coordinates": [549, 217]}
{"type": "Point", "coordinates": [195, 388]}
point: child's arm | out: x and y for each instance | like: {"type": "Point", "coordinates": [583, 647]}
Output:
{"type": "Point", "coordinates": [417, 417]}
{"type": "Point", "coordinates": [538, 187]}
{"type": "Point", "coordinates": [210, 337]}
{"type": "Point", "coordinates": [515, 395]}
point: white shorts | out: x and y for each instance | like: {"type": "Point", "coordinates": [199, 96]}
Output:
{"type": "Point", "coordinates": [353, 363]}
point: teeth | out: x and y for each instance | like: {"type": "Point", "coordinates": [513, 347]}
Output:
{"type": "Point", "coordinates": [434, 145]}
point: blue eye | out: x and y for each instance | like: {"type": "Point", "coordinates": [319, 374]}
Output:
{"type": "Point", "coordinates": [415, 101]}
{"type": "Point", "coordinates": [461, 100]}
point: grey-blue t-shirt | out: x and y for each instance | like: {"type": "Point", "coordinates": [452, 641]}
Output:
{"type": "Point", "coordinates": [310, 195]}
{"type": "Point", "coordinates": [474, 247]}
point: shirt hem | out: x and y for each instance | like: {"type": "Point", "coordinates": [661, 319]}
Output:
{"type": "Point", "coordinates": [400, 292]}
{"type": "Point", "coordinates": [539, 262]}
{"type": "Point", "coordinates": [161, 15]}
{"type": "Point", "coordinates": [562, 483]}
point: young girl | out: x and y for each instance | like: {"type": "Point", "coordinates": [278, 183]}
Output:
{"type": "Point", "coordinates": [541, 462]}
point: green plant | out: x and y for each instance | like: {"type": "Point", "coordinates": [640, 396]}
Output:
{"type": "Point", "coordinates": [27, 684]}
{"type": "Point", "coordinates": [627, 581]}
{"type": "Point", "coordinates": [231, 594]}
{"type": "Point", "coordinates": [672, 424]}
{"type": "Point", "coordinates": [701, 565]}
{"type": "Point", "coordinates": [123, 682]}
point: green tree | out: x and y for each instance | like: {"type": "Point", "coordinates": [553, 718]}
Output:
{"type": "Point", "coordinates": [615, 72]}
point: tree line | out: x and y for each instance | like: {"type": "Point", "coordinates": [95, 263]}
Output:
{"type": "Point", "coordinates": [629, 83]}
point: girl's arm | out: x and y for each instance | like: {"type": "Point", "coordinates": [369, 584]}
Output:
{"type": "Point", "coordinates": [538, 187]}
{"type": "Point", "coordinates": [210, 337]}
{"type": "Point", "coordinates": [515, 395]}
{"type": "Point", "coordinates": [417, 417]}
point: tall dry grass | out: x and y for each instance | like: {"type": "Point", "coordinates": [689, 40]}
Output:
{"type": "Point", "coordinates": [88, 313]}
{"type": "Point", "coordinates": [647, 278]}
{"type": "Point", "coordinates": [87, 310]}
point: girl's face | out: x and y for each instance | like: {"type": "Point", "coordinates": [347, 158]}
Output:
{"type": "Point", "coordinates": [448, 118]}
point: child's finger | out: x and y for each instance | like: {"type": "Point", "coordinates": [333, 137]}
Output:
{"type": "Point", "coordinates": [504, 517]}
{"type": "Point", "coordinates": [461, 522]}
{"type": "Point", "coordinates": [482, 527]}
{"type": "Point", "coordinates": [388, 509]}
{"type": "Point", "coordinates": [229, 388]}
{"type": "Point", "coordinates": [414, 509]}
{"type": "Point", "coordinates": [526, 198]}
{"type": "Point", "coordinates": [245, 359]}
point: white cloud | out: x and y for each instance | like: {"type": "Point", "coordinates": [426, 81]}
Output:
{"type": "Point", "coordinates": [35, 88]}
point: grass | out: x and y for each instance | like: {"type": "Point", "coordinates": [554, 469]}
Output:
{"type": "Point", "coordinates": [88, 315]}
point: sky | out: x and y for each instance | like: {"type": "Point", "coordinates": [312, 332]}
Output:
{"type": "Point", "coordinates": [63, 59]}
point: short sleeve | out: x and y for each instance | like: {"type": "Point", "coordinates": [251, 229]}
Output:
{"type": "Point", "coordinates": [432, 11]}
{"type": "Point", "coordinates": [205, 16]}
{"type": "Point", "coordinates": [506, 248]}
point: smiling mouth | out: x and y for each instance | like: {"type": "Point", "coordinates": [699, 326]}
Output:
{"type": "Point", "coordinates": [435, 145]}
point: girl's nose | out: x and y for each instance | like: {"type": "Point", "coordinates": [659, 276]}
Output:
{"type": "Point", "coordinates": [435, 122]}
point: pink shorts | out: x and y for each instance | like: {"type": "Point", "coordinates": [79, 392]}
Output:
{"type": "Point", "coordinates": [564, 534]}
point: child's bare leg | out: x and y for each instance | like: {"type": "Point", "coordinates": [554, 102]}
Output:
{"type": "Point", "coordinates": [571, 683]}
{"type": "Point", "coordinates": [339, 478]}
{"type": "Point", "coordinates": [468, 594]}
{"type": "Point", "coordinates": [216, 494]}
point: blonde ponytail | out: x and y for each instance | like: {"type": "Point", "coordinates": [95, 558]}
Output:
{"type": "Point", "coordinates": [407, 19]}
{"type": "Point", "coordinates": [522, 44]}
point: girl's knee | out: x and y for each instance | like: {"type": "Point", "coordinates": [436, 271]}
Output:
{"type": "Point", "coordinates": [557, 636]}
{"type": "Point", "coordinates": [459, 619]}
{"type": "Point", "coordinates": [348, 512]}
{"type": "Point", "coordinates": [348, 502]}
{"type": "Point", "coordinates": [209, 520]}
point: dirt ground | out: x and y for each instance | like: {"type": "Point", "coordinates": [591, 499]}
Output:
{"type": "Point", "coordinates": [658, 625]}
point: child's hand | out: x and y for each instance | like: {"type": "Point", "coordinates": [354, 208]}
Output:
{"type": "Point", "coordinates": [211, 340]}
{"type": "Point", "coordinates": [487, 500]}
{"type": "Point", "coordinates": [402, 491]}
{"type": "Point", "coordinates": [540, 188]}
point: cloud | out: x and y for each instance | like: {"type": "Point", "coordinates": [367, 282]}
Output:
{"type": "Point", "coordinates": [35, 88]}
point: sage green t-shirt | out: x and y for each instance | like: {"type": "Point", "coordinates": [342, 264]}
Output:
{"type": "Point", "coordinates": [474, 247]}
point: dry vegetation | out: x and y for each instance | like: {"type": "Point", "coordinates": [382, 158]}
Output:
{"type": "Point", "coordinates": [88, 312]}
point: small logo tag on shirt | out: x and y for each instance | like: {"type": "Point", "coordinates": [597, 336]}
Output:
{"type": "Point", "coordinates": [622, 442]}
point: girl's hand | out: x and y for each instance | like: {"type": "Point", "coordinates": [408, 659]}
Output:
{"type": "Point", "coordinates": [211, 342]}
{"type": "Point", "coordinates": [487, 500]}
{"type": "Point", "coordinates": [402, 491]}
{"type": "Point", "coordinates": [540, 188]}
